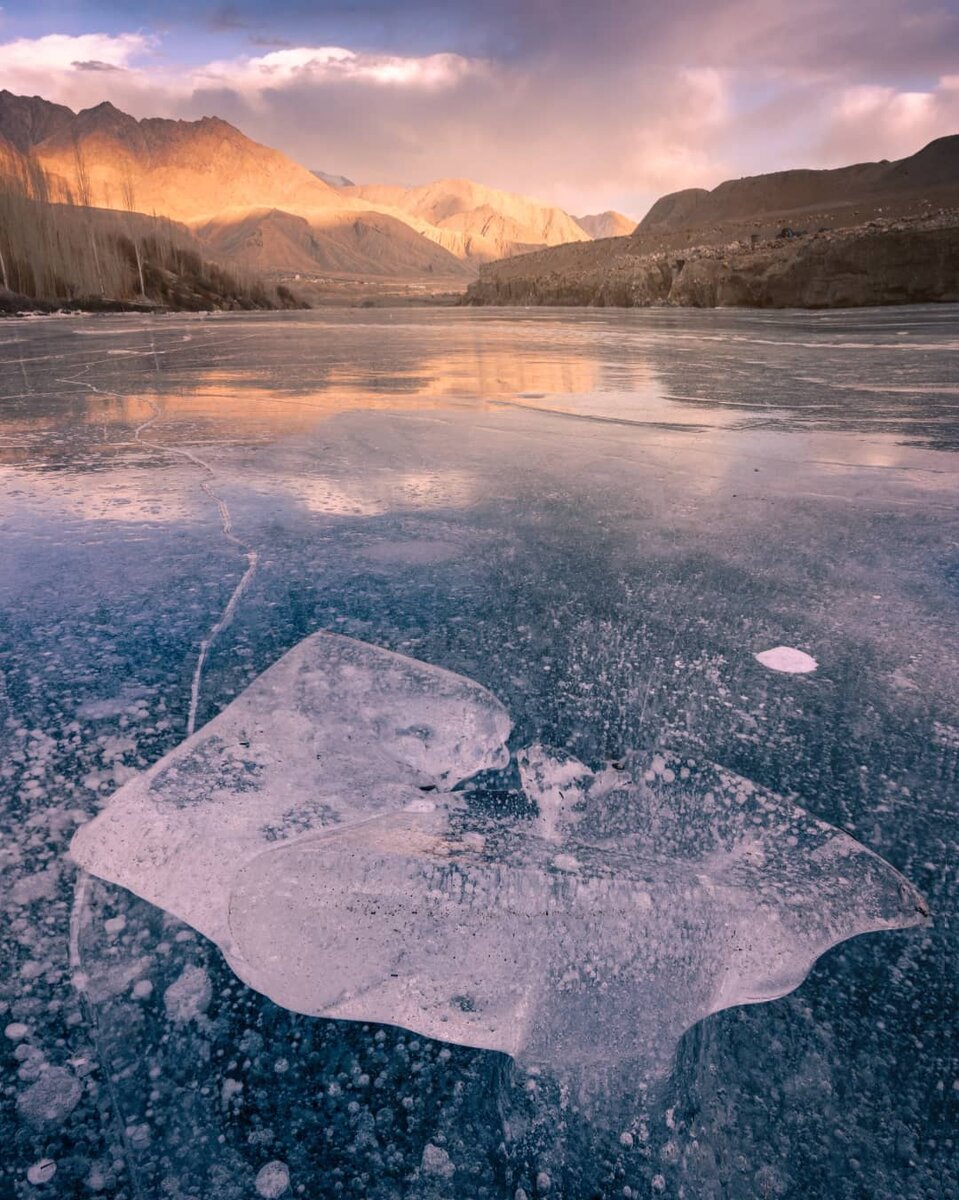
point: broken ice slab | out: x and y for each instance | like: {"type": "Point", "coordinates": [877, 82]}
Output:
{"type": "Point", "coordinates": [670, 898]}
{"type": "Point", "coordinates": [295, 830]}
{"type": "Point", "coordinates": [335, 731]}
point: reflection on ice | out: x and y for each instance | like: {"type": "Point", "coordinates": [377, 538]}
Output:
{"type": "Point", "coordinates": [118, 496]}
{"type": "Point", "coordinates": [388, 491]}
{"type": "Point", "coordinates": [310, 831]}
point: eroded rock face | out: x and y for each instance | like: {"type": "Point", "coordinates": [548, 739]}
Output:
{"type": "Point", "coordinates": [909, 262]}
{"type": "Point", "coordinates": [310, 830]}
{"type": "Point", "coordinates": [828, 271]}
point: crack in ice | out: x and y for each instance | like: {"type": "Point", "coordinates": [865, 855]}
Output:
{"type": "Point", "coordinates": [79, 906]}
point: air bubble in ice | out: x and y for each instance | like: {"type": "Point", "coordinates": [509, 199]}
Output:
{"type": "Point", "coordinates": [52, 1098]}
{"type": "Point", "coordinates": [188, 997]}
{"type": "Point", "coordinates": [436, 1161]}
{"type": "Point", "coordinates": [41, 1172]}
{"type": "Point", "coordinates": [273, 1180]}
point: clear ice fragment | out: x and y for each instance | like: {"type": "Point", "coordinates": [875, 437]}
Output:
{"type": "Point", "coordinates": [294, 830]}
{"type": "Point", "coordinates": [673, 898]}
{"type": "Point", "coordinates": [335, 732]}
{"type": "Point", "coordinates": [787, 659]}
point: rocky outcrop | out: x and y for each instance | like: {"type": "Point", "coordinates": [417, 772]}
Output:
{"type": "Point", "coordinates": [900, 262]}
{"type": "Point", "coordinates": [854, 269]}
{"type": "Point", "coordinates": [25, 121]}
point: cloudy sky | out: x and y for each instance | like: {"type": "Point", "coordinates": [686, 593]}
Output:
{"type": "Point", "coordinates": [591, 105]}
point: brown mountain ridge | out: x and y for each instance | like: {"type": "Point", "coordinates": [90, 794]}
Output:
{"type": "Point", "coordinates": [870, 233]}
{"type": "Point", "coordinates": [256, 208]}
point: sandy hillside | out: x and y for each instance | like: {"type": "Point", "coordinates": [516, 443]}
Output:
{"type": "Point", "coordinates": [327, 241]}
{"type": "Point", "coordinates": [606, 224]}
{"type": "Point", "coordinates": [492, 223]}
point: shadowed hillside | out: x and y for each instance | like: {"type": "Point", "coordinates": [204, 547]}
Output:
{"type": "Point", "coordinates": [349, 244]}
{"type": "Point", "coordinates": [55, 254]}
{"type": "Point", "coordinates": [872, 233]}
{"type": "Point", "coordinates": [836, 198]}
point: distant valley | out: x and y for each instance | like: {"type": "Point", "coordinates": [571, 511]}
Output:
{"type": "Point", "coordinates": [251, 208]}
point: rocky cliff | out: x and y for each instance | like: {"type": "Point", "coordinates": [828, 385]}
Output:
{"type": "Point", "coordinates": [882, 262]}
{"type": "Point", "coordinates": [872, 233]}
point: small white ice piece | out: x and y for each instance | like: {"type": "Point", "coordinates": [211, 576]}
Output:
{"type": "Point", "coordinates": [41, 1172]}
{"type": "Point", "coordinates": [273, 1180]}
{"type": "Point", "coordinates": [788, 659]}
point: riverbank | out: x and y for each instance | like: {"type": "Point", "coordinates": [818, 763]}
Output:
{"type": "Point", "coordinates": [882, 262]}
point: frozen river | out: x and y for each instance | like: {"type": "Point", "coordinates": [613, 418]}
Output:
{"type": "Point", "coordinates": [600, 517]}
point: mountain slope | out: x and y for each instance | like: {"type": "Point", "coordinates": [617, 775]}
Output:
{"type": "Point", "coordinates": [210, 175]}
{"type": "Point", "coordinates": [186, 170]}
{"type": "Point", "coordinates": [328, 242]}
{"type": "Point", "coordinates": [491, 223]}
{"type": "Point", "coordinates": [925, 180]}
{"type": "Point", "coordinates": [25, 121]}
{"type": "Point", "coordinates": [872, 233]}
{"type": "Point", "coordinates": [606, 224]}
{"type": "Point", "coordinates": [253, 206]}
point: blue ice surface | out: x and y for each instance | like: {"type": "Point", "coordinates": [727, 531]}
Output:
{"type": "Point", "coordinates": [601, 517]}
